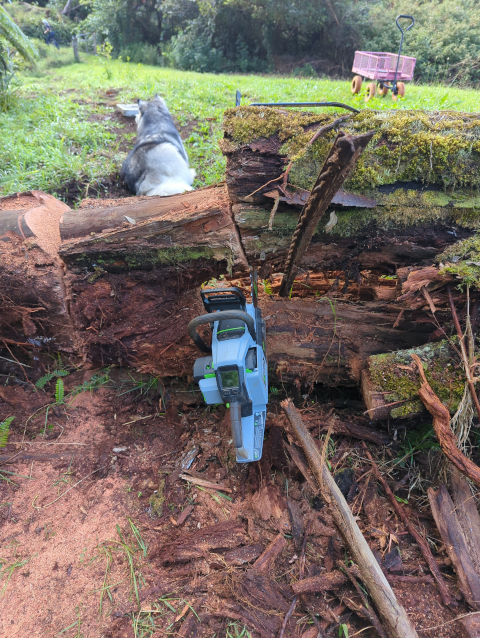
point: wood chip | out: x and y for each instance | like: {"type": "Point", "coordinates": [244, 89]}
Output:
{"type": "Point", "coordinates": [208, 484]}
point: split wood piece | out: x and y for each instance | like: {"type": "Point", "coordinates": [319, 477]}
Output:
{"type": "Point", "coordinates": [467, 514]}
{"type": "Point", "coordinates": [443, 511]}
{"type": "Point", "coordinates": [296, 523]}
{"type": "Point", "coordinates": [441, 425]}
{"type": "Point", "coordinates": [197, 544]}
{"type": "Point", "coordinates": [353, 573]}
{"type": "Point", "coordinates": [184, 515]}
{"type": "Point", "coordinates": [315, 584]}
{"type": "Point", "coordinates": [466, 363]}
{"type": "Point", "coordinates": [395, 619]}
{"type": "Point", "coordinates": [191, 619]}
{"type": "Point", "coordinates": [422, 544]}
{"type": "Point", "coordinates": [356, 431]}
{"type": "Point", "coordinates": [297, 458]}
{"type": "Point", "coordinates": [236, 612]}
{"type": "Point", "coordinates": [342, 157]}
{"type": "Point", "coordinates": [203, 483]}
{"type": "Point", "coordinates": [266, 560]}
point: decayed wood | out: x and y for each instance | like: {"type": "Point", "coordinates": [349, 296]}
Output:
{"type": "Point", "coordinates": [342, 157]}
{"type": "Point", "coordinates": [265, 561]}
{"type": "Point", "coordinates": [466, 364]}
{"type": "Point", "coordinates": [467, 514]}
{"type": "Point", "coordinates": [316, 584]}
{"type": "Point", "coordinates": [422, 544]}
{"type": "Point", "coordinates": [441, 425]}
{"type": "Point", "coordinates": [396, 621]}
{"type": "Point", "coordinates": [443, 511]}
{"type": "Point", "coordinates": [470, 626]}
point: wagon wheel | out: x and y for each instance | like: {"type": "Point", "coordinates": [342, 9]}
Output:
{"type": "Point", "coordinates": [400, 91]}
{"type": "Point", "coordinates": [356, 84]}
{"type": "Point", "coordinates": [371, 90]}
{"type": "Point", "coordinates": [382, 89]}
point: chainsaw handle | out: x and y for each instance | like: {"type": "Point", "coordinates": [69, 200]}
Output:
{"type": "Point", "coordinates": [218, 316]}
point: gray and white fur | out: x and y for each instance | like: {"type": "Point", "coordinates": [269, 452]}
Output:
{"type": "Point", "coordinates": [158, 163]}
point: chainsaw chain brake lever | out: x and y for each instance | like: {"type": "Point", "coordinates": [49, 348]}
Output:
{"type": "Point", "coordinates": [218, 316]}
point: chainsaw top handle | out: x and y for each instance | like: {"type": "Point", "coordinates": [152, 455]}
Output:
{"type": "Point", "coordinates": [218, 316]}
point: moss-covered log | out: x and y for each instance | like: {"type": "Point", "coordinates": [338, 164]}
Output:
{"type": "Point", "coordinates": [419, 175]}
{"type": "Point", "coordinates": [390, 382]}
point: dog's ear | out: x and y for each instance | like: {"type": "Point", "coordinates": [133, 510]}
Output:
{"type": "Point", "coordinates": [142, 106]}
{"type": "Point", "coordinates": [157, 97]}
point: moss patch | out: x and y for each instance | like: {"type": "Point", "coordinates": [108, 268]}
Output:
{"type": "Point", "coordinates": [463, 260]}
{"type": "Point", "coordinates": [430, 147]}
{"type": "Point", "coordinates": [157, 500]}
{"type": "Point", "coordinates": [390, 373]}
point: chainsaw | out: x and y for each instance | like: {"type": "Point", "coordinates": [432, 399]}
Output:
{"type": "Point", "coordinates": [235, 370]}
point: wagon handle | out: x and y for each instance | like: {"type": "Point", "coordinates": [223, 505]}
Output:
{"type": "Point", "coordinates": [408, 18]}
{"type": "Point", "coordinates": [394, 83]}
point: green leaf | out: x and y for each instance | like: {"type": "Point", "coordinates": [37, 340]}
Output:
{"type": "Point", "coordinates": [59, 391]}
{"type": "Point", "coordinates": [5, 430]}
{"type": "Point", "coordinates": [16, 38]}
{"type": "Point", "coordinates": [42, 382]}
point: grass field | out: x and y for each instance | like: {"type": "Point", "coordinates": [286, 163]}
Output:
{"type": "Point", "coordinates": [48, 138]}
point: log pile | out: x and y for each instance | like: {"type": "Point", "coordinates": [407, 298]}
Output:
{"type": "Point", "coordinates": [117, 283]}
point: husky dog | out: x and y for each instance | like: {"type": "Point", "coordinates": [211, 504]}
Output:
{"type": "Point", "coordinates": [158, 163]}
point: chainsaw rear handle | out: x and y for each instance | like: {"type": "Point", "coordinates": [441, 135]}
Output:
{"type": "Point", "coordinates": [218, 316]}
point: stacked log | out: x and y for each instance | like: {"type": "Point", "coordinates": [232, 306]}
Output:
{"type": "Point", "coordinates": [117, 283]}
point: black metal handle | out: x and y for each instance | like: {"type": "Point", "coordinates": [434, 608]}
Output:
{"type": "Point", "coordinates": [218, 316]}
{"type": "Point", "coordinates": [407, 18]}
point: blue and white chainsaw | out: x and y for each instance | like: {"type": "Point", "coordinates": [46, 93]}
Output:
{"type": "Point", "coordinates": [235, 372]}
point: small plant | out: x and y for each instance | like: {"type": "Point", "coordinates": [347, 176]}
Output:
{"type": "Point", "coordinates": [42, 382]}
{"type": "Point", "coordinates": [5, 430]}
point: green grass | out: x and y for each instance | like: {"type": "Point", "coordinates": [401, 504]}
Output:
{"type": "Point", "coordinates": [47, 141]}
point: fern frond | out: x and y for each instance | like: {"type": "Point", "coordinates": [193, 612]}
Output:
{"type": "Point", "coordinates": [61, 373]}
{"type": "Point", "coordinates": [59, 391]}
{"type": "Point", "coordinates": [5, 430]}
{"type": "Point", "coordinates": [42, 382]}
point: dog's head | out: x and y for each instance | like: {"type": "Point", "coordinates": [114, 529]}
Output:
{"type": "Point", "coordinates": [156, 105]}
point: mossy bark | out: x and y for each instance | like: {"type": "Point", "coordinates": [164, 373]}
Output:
{"type": "Point", "coordinates": [390, 382]}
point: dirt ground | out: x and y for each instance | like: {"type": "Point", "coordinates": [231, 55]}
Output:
{"type": "Point", "coordinates": [102, 537]}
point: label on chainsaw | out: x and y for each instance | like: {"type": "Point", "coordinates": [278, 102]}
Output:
{"type": "Point", "coordinates": [259, 423]}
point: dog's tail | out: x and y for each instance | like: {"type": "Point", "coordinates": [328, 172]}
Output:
{"type": "Point", "coordinates": [170, 188]}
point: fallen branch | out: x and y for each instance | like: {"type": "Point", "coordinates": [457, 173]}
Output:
{"type": "Point", "coordinates": [340, 161]}
{"type": "Point", "coordinates": [422, 544]}
{"type": "Point", "coordinates": [397, 623]}
{"type": "Point", "coordinates": [353, 573]}
{"type": "Point", "coordinates": [441, 425]}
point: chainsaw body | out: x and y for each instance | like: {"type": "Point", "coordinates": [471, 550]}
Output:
{"type": "Point", "coordinates": [235, 370]}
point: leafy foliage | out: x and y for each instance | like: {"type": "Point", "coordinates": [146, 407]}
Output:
{"type": "Point", "coordinates": [59, 391]}
{"type": "Point", "coordinates": [42, 382]}
{"type": "Point", "coordinates": [5, 430]}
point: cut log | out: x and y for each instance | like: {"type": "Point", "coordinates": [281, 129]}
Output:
{"type": "Point", "coordinates": [125, 295]}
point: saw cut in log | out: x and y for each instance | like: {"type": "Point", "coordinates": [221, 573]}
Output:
{"type": "Point", "coordinates": [342, 157]}
{"type": "Point", "coordinates": [393, 615]}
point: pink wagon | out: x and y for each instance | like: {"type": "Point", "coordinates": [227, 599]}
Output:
{"type": "Point", "coordinates": [384, 68]}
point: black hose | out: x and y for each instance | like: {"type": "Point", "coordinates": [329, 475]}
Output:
{"type": "Point", "coordinates": [218, 316]}
{"type": "Point", "coordinates": [337, 104]}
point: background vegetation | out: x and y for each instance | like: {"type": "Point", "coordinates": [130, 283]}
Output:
{"type": "Point", "coordinates": [306, 37]}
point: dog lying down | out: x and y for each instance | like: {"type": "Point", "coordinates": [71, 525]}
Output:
{"type": "Point", "coordinates": [158, 163]}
